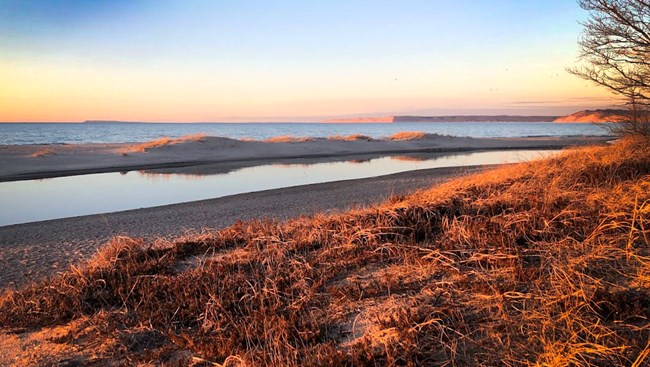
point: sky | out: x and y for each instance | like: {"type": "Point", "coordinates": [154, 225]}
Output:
{"type": "Point", "coordinates": [281, 60]}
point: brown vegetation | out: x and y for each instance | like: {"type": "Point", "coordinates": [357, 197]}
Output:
{"type": "Point", "coordinates": [409, 135]}
{"type": "Point", "coordinates": [352, 137]}
{"type": "Point", "coordinates": [541, 263]}
{"type": "Point", "coordinates": [42, 153]}
{"type": "Point", "coordinates": [288, 139]}
{"type": "Point", "coordinates": [143, 147]}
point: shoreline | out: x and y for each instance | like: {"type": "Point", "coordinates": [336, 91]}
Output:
{"type": "Point", "coordinates": [32, 250]}
{"type": "Point", "coordinates": [36, 249]}
{"type": "Point", "coordinates": [28, 162]}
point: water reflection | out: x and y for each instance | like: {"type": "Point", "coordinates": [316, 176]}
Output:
{"type": "Point", "coordinates": [161, 176]}
{"type": "Point", "coordinates": [409, 158]}
{"type": "Point", "coordinates": [62, 197]}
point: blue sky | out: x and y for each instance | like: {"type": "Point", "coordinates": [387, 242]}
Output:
{"type": "Point", "coordinates": [287, 60]}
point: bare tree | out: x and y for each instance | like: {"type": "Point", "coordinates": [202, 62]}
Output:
{"type": "Point", "coordinates": [615, 53]}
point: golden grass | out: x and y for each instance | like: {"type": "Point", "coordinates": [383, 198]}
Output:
{"type": "Point", "coordinates": [543, 263]}
{"type": "Point", "coordinates": [144, 147]}
{"type": "Point", "coordinates": [42, 153]}
{"type": "Point", "coordinates": [288, 139]}
{"type": "Point", "coordinates": [352, 137]}
{"type": "Point", "coordinates": [410, 135]}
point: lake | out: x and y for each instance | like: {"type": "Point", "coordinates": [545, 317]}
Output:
{"type": "Point", "coordinates": [36, 200]}
{"type": "Point", "coordinates": [69, 133]}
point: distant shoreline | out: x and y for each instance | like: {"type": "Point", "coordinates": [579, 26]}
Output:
{"type": "Point", "coordinates": [584, 116]}
{"type": "Point", "coordinates": [435, 119]}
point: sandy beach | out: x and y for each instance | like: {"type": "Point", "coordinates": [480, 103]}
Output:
{"type": "Point", "coordinates": [23, 162]}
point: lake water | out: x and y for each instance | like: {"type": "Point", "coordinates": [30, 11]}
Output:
{"type": "Point", "coordinates": [36, 200]}
{"type": "Point", "coordinates": [58, 133]}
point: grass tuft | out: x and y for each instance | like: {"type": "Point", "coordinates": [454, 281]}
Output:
{"type": "Point", "coordinates": [352, 137]}
{"type": "Point", "coordinates": [144, 147]}
{"type": "Point", "coordinates": [411, 135]}
{"type": "Point", "coordinates": [42, 153]}
{"type": "Point", "coordinates": [288, 139]}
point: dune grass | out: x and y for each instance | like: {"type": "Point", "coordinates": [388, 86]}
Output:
{"type": "Point", "coordinates": [542, 263]}
{"type": "Point", "coordinates": [351, 137]}
{"type": "Point", "coordinates": [288, 139]}
{"type": "Point", "coordinates": [42, 153]}
{"type": "Point", "coordinates": [165, 141]}
{"type": "Point", "coordinates": [409, 135]}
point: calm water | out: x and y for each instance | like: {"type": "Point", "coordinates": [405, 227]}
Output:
{"type": "Point", "coordinates": [36, 200]}
{"type": "Point", "coordinates": [39, 133]}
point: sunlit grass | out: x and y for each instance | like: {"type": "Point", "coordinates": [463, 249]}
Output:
{"type": "Point", "coordinates": [288, 139]}
{"type": "Point", "coordinates": [144, 147]}
{"type": "Point", "coordinates": [409, 135]}
{"type": "Point", "coordinates": [352, 137]}
{"type": "Point", "coordinates": [42, 153]}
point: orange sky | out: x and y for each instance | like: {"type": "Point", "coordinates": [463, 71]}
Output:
{"type": "Point", "coordinates": [171, 64]}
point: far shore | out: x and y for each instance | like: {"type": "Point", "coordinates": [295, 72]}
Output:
{"type": "Point", "coordinates": [26, 162]}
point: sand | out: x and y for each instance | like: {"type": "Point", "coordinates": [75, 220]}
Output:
{"type": "Point", "coordinates": [30, 251]}
{"type": "Point", "coordinates": [22, 162]}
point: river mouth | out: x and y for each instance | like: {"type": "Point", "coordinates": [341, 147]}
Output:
{"type": "Point", "coordinates": [63, 197]}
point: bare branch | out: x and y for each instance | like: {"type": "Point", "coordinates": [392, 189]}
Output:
{"type": "Point", "coordinates": [615, 54]}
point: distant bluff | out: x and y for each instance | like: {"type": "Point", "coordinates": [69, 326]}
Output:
{"type": "Point", "coordinates": [606, 115]}
{"type": "Point", "coordinates": [459, 118]}
{"type": "Point", "coordinates": [587, 116]}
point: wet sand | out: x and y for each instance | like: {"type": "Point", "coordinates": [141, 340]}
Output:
{"type": "Point", "coordinates": [30, 251]}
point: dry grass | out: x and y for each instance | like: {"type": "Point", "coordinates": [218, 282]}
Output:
{"type": "Point", "coordinates": [144, 147]}
{"type": "Point", "coordinates": [352, 137]}
{"type": "Point", "coordinates": [42, 153]}
{"type": "Point", "coordinates": [544, 263]}
{"type": "Point", "coordinates": [288, 139]}
{"type": "Point", "coordinates": [410, 135]}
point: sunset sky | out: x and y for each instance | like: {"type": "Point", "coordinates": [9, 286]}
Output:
{"type": "Point", "coordinates": [288, 60]}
